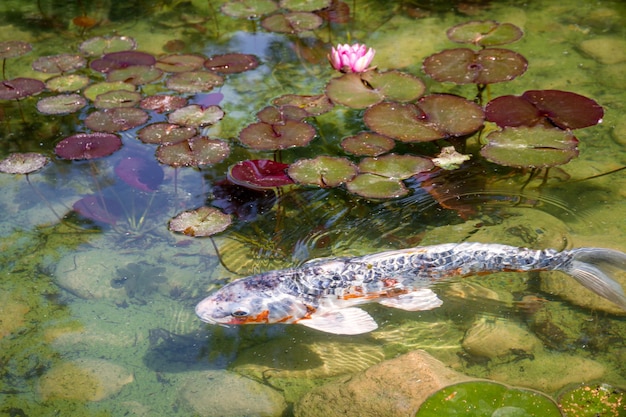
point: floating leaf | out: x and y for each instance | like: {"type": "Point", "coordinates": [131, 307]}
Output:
{"type": "Point", "coordinates": [117, 98]}
{"type": "Point", "coordinates": [485, 33]}
{"type": "Point", "coordinates": [23, 163]}
{"type": "Point", "coordinates": [394, 166]}
{"type": "Point", "coordinates": [99, 209]}
{"type": "Point", "coordinates": [165, 133]}
{"type": "Point", "coordinates": [121, 59]}
{"type": "Point", "coordinates": [135, 74]}
{"type": "Point", "coordinates": [231, 63]}
{"type": "Point", "coordinates": [61, 104]}
{"type": "Point", "coordinates": [13, 49]}
{"type": "Point", "coordinates": [67, 83]}
{"type": "Point", "coordinates": [95, 90]}
{"type": "Point", "coordinates": [323, 171]}
{"type": "Point", "coordinates": [591, 400]}
{"type": "Point", "coordinates": [313, 105]}
{"type": "Point", "coordinates": [512, 111]}
{"type": "Point", "coordinates": [196, 116]}
{"type": "Point", "coordinates": [101, 45]}
{"type": "Point", "coordinates": [530, 147]}
{"type": "Point", "coordinates": [337, 12]}
{"type": "Point", "coordinates": [304, 5]}
{"type": "Point", "coordinates": [274, 115]}
{"type": "Point", "coordinates": [452, 115]}
{"type": "Point", "coordinates": [249, 9]}
{"type": "Point", "coordinates": [293, 22]}
{"type": "Point", "coordinates": [88, 146]}
{"type": "Point", "coordinates": [54, 64]}
{"type": "Point", "coordinates": [368, 144]}
{"type": "Point", "coordinates": [203, 221]}
{"type": "Point", "coordinates": [269, 137]}
{"type": "Point", "coordinates": [180, 63]}
{"type": "Point", "coordinates": [376, 187]}
{"type": "Point", "coordinates": [19, 88]}
{"type": "Point", "coordinates": [193, 152]}
{"type": "Point", "coordinates": [163, 103]}
{"type": "Point", "coordinates": [116, 120]}
{"type": "Point", "coordinates": [465, 66]}
{"type": "Point", "coordinates": [194, 81]}
{"type": "Point", "coordinates": [141, 173]}
{"type": "Point", "coordinates": [259, 174]}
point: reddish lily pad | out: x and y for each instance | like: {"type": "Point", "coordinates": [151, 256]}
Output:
{"type": "Point", "coordinates": [397, 167]}
{"type": "Point", "coordinates": [313, 105]}
{"type": "Point", "coordinates": [122, 59]}
{"type": "Point", "coordinates": [61, 104]}
{"type": "Point", "coordinates": [117, 98]}
{"type": "Point", "coordinates": [135, 74]}
{"type": "Point", "coordinates": [304, 5]}
{"type": "Point", "coordinates": [116, 120]}
{"type": "Point", "coordinates": [375, 186]}
{"type": "Point", "coordinates": [276, 115]}
{"type": "Point", "coordinates": [67, 83]}
{"type": "Point", "coordinates": [368, 144]}
{"type": "Point", "coordinates": [99, 209]}
{"type": "Point", "coordinates": [55, 64]}
{"type": "Point", "coordinates": [249, 9]}
{"type": "Point", "coordinates": [193, 152]}
{"type": "Point", "coordinates": [194, 81]}
{"type": "Point", "coordinates": [23, 163]}
{"type": "Point", "coordinates": [102, 45]}
{"type": "Point", "coordinates": [17, 88]}
{"type": "Point", "coordinates": [465, 66]}
{"type": "Point", "coordinates": [512, 111]}
{"type": "Point", "coordinates": [196, 116]}
{"type": "Point", "coordinates": [180, 63]}
{"type": "Point", "coordinates": [141, 173]}
{"type": "Point", "coordinates": [13, 49]}
{"type": "Point", "coordinates": [95, 90]}
{"type": "Point", "coordinates": [165, 133]}
{"type": "Point", "coordinates": [323, 171]}
{"type": "Point", "coordinates": [231, 63]}
{"type": "Point", "coordinates": [293, 22]}
{"type": "Point", "coordinates": [88, 146]}
{"type": "Point", "coordinates": [163, 103]}
{"type": "Point", "coordinates": [203, 221]}
{"type": "Point", "coordinates": [269, 137]}
{"type": "Point", "coordinates": [485, 33]}
{"type": "Point", "coordinates": [530, 147]}
{"type": "Point", "coordinates": [259, 174]}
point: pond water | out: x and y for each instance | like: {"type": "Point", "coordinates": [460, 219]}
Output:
{"type": "Point", "coordinates": [98, 295]}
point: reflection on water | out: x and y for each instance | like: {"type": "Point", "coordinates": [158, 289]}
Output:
{"type": "Point", "coordinates": [104, 299]}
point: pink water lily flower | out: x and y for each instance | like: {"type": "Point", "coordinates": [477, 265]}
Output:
{"type": "Point", "coordinates": [351, 58]}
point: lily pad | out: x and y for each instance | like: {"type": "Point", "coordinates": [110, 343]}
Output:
{"type": "Point", "coordinates": [118, 98]}
{"type": "Point", "coordinates": [193, 152]}
{"type": "Point", "coordinates": [19, 88]}
{"type": "Point", "coordinates": [95, 90]}
{"type": "Point", "coordinates": [135, 74]}
{"type": "Point", "coordinates": [313, 105]}
{"type": "Point", "coordinates": [67, 83]}
{"type": "Point", "coordinates": [465, 66]}
{"type": "Point", "coordinates": [323, 171]}
{"type": "Point", "coordinates": [55, 64]}
{"type": "Point", "coordinates": [394, 166]}
{"type": "Point", "coordinates": [530, 147]}
{"type": "Point", "coordinates": [88, 146]}
{"type": "Point", "coordinates": [203, 221]}
{"type": "Point", "coordinates": [593, 400]}
{"type": "Point", "coordinates": [161, 103]}
{"type": "Point", "coordinates": [249, 9]}
{"type": "Point", "coordinates": [375, 186]}
{"type": "Point", "coordinates": [196, 116]}
{"type": "Point", "coordinates": [368, 144]}
{"type": "Point", "coordinates": [180, 63]}
{"type": "Point", "coordinates": [453, 115]}
{"type": "Point", "coordinates": [141, 173]}
{"type": "Point", "coordinates": [165, 133]}
{"type": "Point", "coordinates": [293, 22]}
{"type": "Point", "coordinates": [259, 174]}
{"type": "Point", "coordinates": [269, 137]}
{"type": "Point", "coordinates": [61, 104]}
{"type": "Point", "coordinates": [13, 49]}
{"type": "Point", "coordinates": [23, 163]}
{"type": "Point", "coordinates": [101, 45]}
{"type": "Point", "coordinates": [279, 115]}
{"type": "Point", "coordinates": [194, 81]}
{"type": "Point", "coordinates": [116, 120]}
{"type": "Point", "coordinates": [304, 5]}
{"type": "Point", "coordinates": [485, 33]}
{"type": "Point", "coordinates": [487, 399]}
{"type": "Point", "coordinates": [122, 59]}
{"type": "Point", "coordinates": [231, 63]}
{"type": "Point", "coordinates": [360, 90]}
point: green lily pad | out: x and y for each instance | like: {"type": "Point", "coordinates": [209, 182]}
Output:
{"type": "Point", "coordinates": [203, 221]}
{"type": "Point", "coordinates": [530, 147]}
{"type": "Point", "coordinates": [135, 74]}
{"type": "Point", "coordinates": [487, 399]}
{"type": "Point", "coordinates": [95, 90]}
{"type": "Point", "coordinates": [55, 64]}
{"type": "Point", "coordinates": [117, 98]}
{"type": "Point", "coordinates": [293, 22]}
{"type": "Point", "coordinates": [180, 63]}
{"type": "Point", "coordinates": [453, 115]}
{"type": "Point", "coordinates": [323, 171]}
{"type": "Point", "coordinates": [593, 401]}
{"type": "Point", "coordinates": [193, 152]}
{"type": "Point", "coordinates": [196, 116]}
{"type": "Point", "coordinates": [405, 122]}
{"type": "Point", "coordinates": [304, 5]}
{"type": "Point", "coordinates": [485, 33]}
{"type": "Point", "coordinates": [67, 83]}
{"type": "Point", "coordinates": [165, 133]}
{"type": "Point", "coordinates": [13, 49]}
{"type": "Point", "coordinates": [398, 167]}
{"type": "Point", "coordinates": [103, 45]}
{"type": "Point", "coordinates": [376, 186]}
{"type": "Point", "coordinates": [249, 9]}
{"type": "Point", "coordinates": [194, 81]}
{"type": "Point", "coordinates": [61, 104]}
{"type": "Point", "coordinates": [368, 144]}
{"type": "Point", "coordinates": [313, 105]}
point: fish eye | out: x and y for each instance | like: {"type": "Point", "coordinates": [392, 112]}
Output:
{"type": "Point", "coordinates": [239, 313]}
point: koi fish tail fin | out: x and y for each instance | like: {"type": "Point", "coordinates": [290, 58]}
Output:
{"type": "Point", "coordinates": [594, 268]}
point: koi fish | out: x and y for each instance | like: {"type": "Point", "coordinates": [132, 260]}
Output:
{"type": "Point", "coordinates": [322, 293]}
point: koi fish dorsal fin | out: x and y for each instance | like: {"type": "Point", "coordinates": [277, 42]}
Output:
{"type": "Point", "coordinates": [350, 320]}
{"type": "Point", "coordinates": [422, 299]}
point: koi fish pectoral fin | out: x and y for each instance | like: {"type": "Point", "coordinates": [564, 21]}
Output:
{"type": "Point", "coordinates": [347, 321]}
{"type": "Point", "coordinates": [422, 299]}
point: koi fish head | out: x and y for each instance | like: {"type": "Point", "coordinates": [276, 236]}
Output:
{"type": "Point", "coordinates": [256, 299]}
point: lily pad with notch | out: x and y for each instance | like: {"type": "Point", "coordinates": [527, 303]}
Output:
{"type": "Point", "coordinates": [248, 9]}
{"type": "Point", "coordinates": [95, 90]}
{"type": "Point", "coordinates": [116, 99]}
{"type": "Point", "coordinates": [269, 137]}
{"type": "Point", "coordinates": [368, 144]}
{"type": "Point", "coordinates": [101, 45]}
{"type": "Point", "coordinates": [162, 103]}
{"type": "Point", "coordinates": [165, 133]}
{"type": "Point", "coordinates": [67, 83]}
{"type": "Point", "coordinates": [20, 87]}
{"type": "Point", "coordinates": [396, 167]}
{"type": "Point", "coordinates": [377, 187]}
{"type": "Point", "coordinates": [304, 5]}
{"type": "Point", "coordinates": [485, 33]}
{"type": "Point", "coordinates": [194, 81]}
{"type": "Point", "coordinates": [203, 221]}
{"type": "Point", "coordinates": [279, 115]}
{"type": "Point", "coordinates": [88, 146]}
{"type": "Point", "coordinates": [292, 22]}
{"type": "Point", "coordinates": [116, 119]}
{"type": "Point", "coordinates": [54, 64]}
{"type": "Point", "coordinates": [135, 74]}
{"type": "Point", "coordinates": [193, 152]}
{"type": "Point", "coordinates": [122, 59]}
{"type": "Point", "coordinates": [312, 105]}
{"type": "Point", "coordinates": [323, 171]}
{"type": "Point", "coordinates": [61, 104]}
{"type": "Point", "coordinates": [180, 63]}
{"type": "Point", "coordinates": [196, 116]}
{"type": "Point", "coordinates": [259, 174]}
{"type": "Point", "coordinates": [231, 63]}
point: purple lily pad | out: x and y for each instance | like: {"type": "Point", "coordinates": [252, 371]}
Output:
{"type": "Point", "coordinates": [259, 174]}
{"type": "Point", "coordinates": [141, 173]}
{"type": "Point", "coordinates": [117, 98]}
{"type": "Point", "coordinates": [163, 103]}
{"type": "Point", "coordinates": [376, 187]}
{"type": "Point", "coordinates": [248, 9]}
{"type": "Point", "coordinates": [23, 163]}
{"type": "Point", "coordinates": [394, 166]}
{"type": "Point", "coordinates": [465, 66]}
{"type": "Point", "coordinates": [196, 116]}
{"type": "Point", "coordinates": [55, 64]}
{"type": "Point", "coordinates": [13, 49]}
{"type": "Point", "coordinates": [94, 90]}
{"type": "Point", "coordinates": [194, 81]}
{"type": "Point", "coordinates": [193, 152]}
{"type": "Point", "coordinates": [135, 74]}
{"type": "Point", "coordinates": [323, 171]}
{"type": "Point", "coordinates": [121, 59]}
{"type": "Point", "coordinates": [116, 120]}
{"type": "Point", "coordinates": [99, 209]}
{"type": "Point", "coordinates": [88, 146]}
{"type": "Point", "coordinates": [165, 133]}
{"type": "Point", "coordinates": [368, 144]}
{"type": "Point", "coordinates": [270, 137]}
{"type": "Point", "coordinates": [512, 111]}
{"type": "Point", "coordinates": [231, 63]}
{"type": "Point", "coordinates": [180, 63]}
{"type": "Point", "coordinates": [293, 22]}
{"type": "Point", "coordinates": [102, 45]}
{"type": "Point", "coordinates": [61, 104]}
{"type": "Point", "coordinates": [67, 83]}
{"type": "Point", "coordinates": [485, 33]}
{"type": "Point", "coordinates": [203, 221]}
{"type": "Point", "coordinates": [17, 88]}
{"type": "Point", "coordinates": [312, 105]}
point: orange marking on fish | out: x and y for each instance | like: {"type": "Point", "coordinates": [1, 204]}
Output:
{"type": "Point", "coordinates": [262, 317]}
{"type": "Point", "coordinates": [389, 282]}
